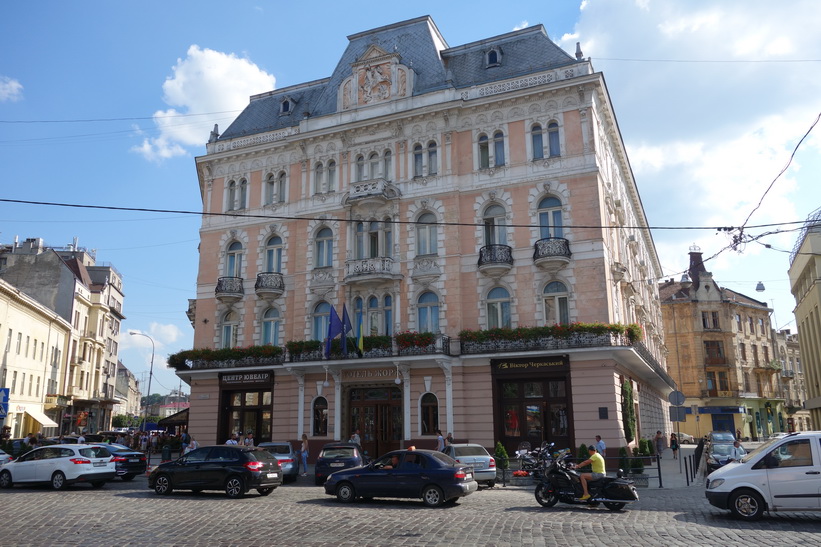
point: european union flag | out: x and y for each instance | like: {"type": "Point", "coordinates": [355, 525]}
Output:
{"type": "Point", "coordinates": [334, 330]}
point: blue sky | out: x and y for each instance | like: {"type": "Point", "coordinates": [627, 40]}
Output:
{"type": "Point", "coordinates": [108, 103]}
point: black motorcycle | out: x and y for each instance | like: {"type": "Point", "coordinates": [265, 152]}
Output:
{"type": "Point", "coordinates": [561, 483]}
{"type": "Point", "coordinates": [535, 461]}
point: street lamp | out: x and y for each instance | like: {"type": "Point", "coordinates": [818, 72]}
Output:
{"type": "Point", "coordinates": [148, 395]}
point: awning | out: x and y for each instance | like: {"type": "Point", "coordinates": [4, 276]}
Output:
{"type": "Point", "coordinates": [180, 418]}
{"type": "Point", "coordinates": [44, 420]}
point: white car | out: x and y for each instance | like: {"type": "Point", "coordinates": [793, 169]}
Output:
{"type": "Point", "coordinates": [4, 458]}
{"type": "Point", "coordinates": [686, 438]}
{"type": "Point", "coordinates": [60, 465]}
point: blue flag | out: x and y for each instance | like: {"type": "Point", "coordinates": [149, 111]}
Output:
{"type": "Point", "coordinates": [346, 328]}
{"type": "Point", "coordinates": [334, 330]}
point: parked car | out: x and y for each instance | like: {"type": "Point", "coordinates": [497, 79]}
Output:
{"type": "Point", "coordinates": [780, 475]}
{"type": "Point", "coordinates": [234, 469]}
{"type": "Point", "coordinates": [433, 476]}
{"type": "Point", "coordinates": [286, 455]}
{"type": "Point", "coordinates": [686, 438]}
{"type": "Point", "coordinates": [129, 462]}
{"type": "Point", "coordinates": [718, 455]}
{"type": "Point", "coordinates": [337, 456]}
{"type": "Point", "coordinates": [4, 457]}
{"type": "Point", "coordinates": [476, 456]}
{"type": "Point", "coordinates": [60, 465]}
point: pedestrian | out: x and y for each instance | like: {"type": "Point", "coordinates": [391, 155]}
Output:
{"type": "Point", "coordinates": [440, 441]}
{"type": "Point", "coordinates": [660, 441]}
{"type": "Point", "coordinates": [304, 455]}
{"type": "Point", "coordinates": [249, 439]}
{"type": "Point", "coordinates": [185, 439]}
{"type": "Point", "coordinates": [600, 446]}
{"type": "Point", "coordinates": [192, 445]}
{"type": "Point", "coordinates": [81, 439]}
{"type": "Point", "coordinates": [449, 439]}
{"type": "Point", "coordinates": [674, 445]}
{"type": "Point", "coordinates": [233, 439]}
{"type": "Point", "coordinates": [355, 438]}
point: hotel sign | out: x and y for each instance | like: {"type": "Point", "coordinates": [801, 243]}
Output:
{"type": "Point", "coordinates": [369, 374]}
{"type": "Point", "coordinates": [247, 378]}
{"type": "Point", "coordinates": [547, 363]}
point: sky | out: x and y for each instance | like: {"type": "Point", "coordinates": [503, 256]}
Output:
{"type": "Point", "coordinates": [108, 103]}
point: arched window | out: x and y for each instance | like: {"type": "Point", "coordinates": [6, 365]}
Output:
{"type": "Point", "coordinates": [495, 226]}
{"type": "Point", "coordinates": [498, 308]}
{"type": "Point", "coordinates": [387, 309]}
{"type": "Point", "coordinates": [324, 247]}
{"type": "Point", "coordinates": [243, 194]}
{"type": "Point", "coordinates": [373, 239]}
{"type": "Point", "coordinates": [270, 327]}
{"type": "Point", "coordinates": [536, 141]}
{"type": "Point", "coordinates": [373, 318]}
{"type": "Point", "coordinates": [484, 152]}
{"type": "Point", "coordinates": [331, 176]}
{"type": "Point", "coordinates": [492, 57]}
{"type": "Point", "coordinates": [555, 303]}
{"type": "Point", "coordinates": [417, 161]}
{"type": "Point", "coordinates": [359, 240]}
{"type": "Point", "coordinates": [231, 199]}
{"type": "Point", "coordinates": [320, 318]}
{"type": "Point", "coordinates": [280, 195]}
{"type": "Point", "coordinates": [428, 311]}
{"type": "Point", "coordinates": [387, 165]}
{"type": "Point", "coordinates": [273, 254]}
{"type": "Point", "coordinates": [320, 416]}
{"type": "Point", "coordinates": [432, 158]}
{"type": "Point", "coordinates": [230, 330]}
{"type": "Point", "coordinates": [429, 414]}
{"type": "Point", "coordinates": [498, 149]}
{"type": "Point", "coordinates": [360, 168]}
{"type": "Point", "coordinates": [233, 260]}
{"type": "Point", "coordinates": [319, 183]}
{"type": "Point", "coordinates": [373, 165]}
{"type": "Point", "coordinates": [553, 139]}
{"type": "Point", "coordinates": [270, 189]}
{"type": "Point", "coordinates": [550, 218]}
{"type": "Point", "coordinates": [426, 235]}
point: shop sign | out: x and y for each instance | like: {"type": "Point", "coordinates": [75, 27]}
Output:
{"type": "Point", "coordinates": [538, 364]}
{"type": "Point", "coordinates": [246, 378]}
{"type": "Point", "coordinates": [369, 374]}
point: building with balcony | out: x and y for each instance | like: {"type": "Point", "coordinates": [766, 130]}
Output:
{"type": "Point", "coordinates": [805, 285]}
{"type": "Point", "coordinates": [428, 193]}
{"type": "Point", "coordinates": [722, 353]}
{"type": "Point", "coordinates": [793, 382]}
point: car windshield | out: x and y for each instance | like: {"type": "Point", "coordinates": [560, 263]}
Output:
{"type": "Point", "coordinates": [764, 448]}
{"type": "Point", "coordinates": [261, 456]}
{"type": "Point", "coordinates": [722, 437]}
{"type": "Point", "coordinates": [338, 452]}
{"type": "Point", "coordinates": [722, 449]}
{"type": "Point", "coordinates": [470, 451]}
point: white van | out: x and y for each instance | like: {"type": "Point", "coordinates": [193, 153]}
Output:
{"type": "Point", "coordinates": [782, 474]}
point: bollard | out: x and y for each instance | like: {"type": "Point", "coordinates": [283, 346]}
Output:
{"type": "Point", "coordinates": [687, 470]}
{"type": "Point", "coordinates": [166, 453]}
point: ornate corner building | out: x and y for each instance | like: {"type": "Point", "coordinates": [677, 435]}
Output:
{"type": "Point", "coordinates": [423, 188]}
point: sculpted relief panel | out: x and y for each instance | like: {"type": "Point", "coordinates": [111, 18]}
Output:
{"type": "Point", "coordinates": [377, 76]}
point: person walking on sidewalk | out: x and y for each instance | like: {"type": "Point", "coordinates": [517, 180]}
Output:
{"type": "Point", "coordinates": [304, 455]}
{"type": "Point", "coordinates": [660, 441]}
{"type": "Point", "coordinates": [674, 445]}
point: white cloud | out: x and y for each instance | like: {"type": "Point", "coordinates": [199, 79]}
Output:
{"type": "Point", "coordinates": [520, 26]}
{"type": "Point", "coordinates": [165, 334]}
{"type": "Point", "coordinates": [204, 82]}
{"type": "Point", "coordinates": [10, 89]}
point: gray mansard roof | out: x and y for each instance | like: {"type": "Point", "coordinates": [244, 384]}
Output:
{"type": "Point", "coordinates": [422, 48]}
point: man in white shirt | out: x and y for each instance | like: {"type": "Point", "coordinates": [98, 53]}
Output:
{"type": "Point", "coordinates": [736, 452]}
{"type": "Point", "coordinates": [600, 446]}
{"type": "Point", "coordinates": [232, 440]}
{"type": "Point", "coordinates": [81, 439]}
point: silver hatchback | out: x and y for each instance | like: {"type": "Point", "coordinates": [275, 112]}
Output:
{"type": "Point", "coordinates": [287, 457]}
{"type": "Point", "coordinates": [475, 455]}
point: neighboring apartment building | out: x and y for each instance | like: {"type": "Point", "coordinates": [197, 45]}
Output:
{"type": "Point", "coordinates": [805, 285]}
{"type": "Point", "coordinates": [34, 341]}
{"type": "Point", "coordinates": [127, 391]}
{"type": "Point", "coordinates": [89, 296]}
{"type": "Point", "coordinates": [428, 188]}
{"type": "Point", "coordinates": [722, 354]}
{"type": "Point", "coordinates": [793, 384]}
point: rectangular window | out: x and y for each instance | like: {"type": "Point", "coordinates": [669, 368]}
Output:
{"type": "Point", "coordinates": [742, 349]}
{"type": "Point", "coordinates": [766, 354]}
{"type": "Point", "coordinates": [714, 353]}
{"type": "Point", "coordinates": [19, 342]}
{"type": "Point", "coordinates": [755, 354]}
{"type": "Point", "coordinates": [738, 322]}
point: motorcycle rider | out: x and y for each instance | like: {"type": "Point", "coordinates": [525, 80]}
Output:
{"type": "Point", "coordinates": [596, 462]}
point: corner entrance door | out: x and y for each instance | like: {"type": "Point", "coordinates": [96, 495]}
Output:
{"type": "Point", "coordinates": [377, 413]}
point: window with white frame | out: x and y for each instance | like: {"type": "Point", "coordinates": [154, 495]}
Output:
{"type": "Point", "coordinates": [270, 327]}
{"type": "Point", "coordinates": [553, 139]}
{"type": "Point", "coordinates": [536, 141]}
{"type": "Point", "coordinates": [319, 178]}
{"type": "Point", "coordinates": [233, 260]}
{"type": "Point", "coordinates": [323, 247]}
{"type": "Point", "coordinates": [426, 235]}
{"type": "Point", "coordinates": [231, 198]}
{"type": "Point", "coordinates": [320, 318]}
{"type": "Point", "coordinates": [550, 218]}
{"type": "Point", "coordinates": [498, 149]}
{"type": "Point", "coordinates": [387, 237]}
{"type": "Point", "coordinates": [273, 255]}
{"type": "Point", "coordinates": [387, 313]}
{"type": "Point", "coordinates": [230, 330]}
{"type": "Point", "coordinates": [360, 168]}
{"type": "Point", "coordinates": [484, 152]}
{"type": "Point", "coordinates": [387, 165]}
{"type": "Point", "coordinates": [433, 162]}
{"type": "Point", "coordinates": [498, 308]}
{"type": "Point", "coordinates": [495, 225]}
{"type": "Point", "coordinates": [555, 303]}
{"type": "Point", "coordinates": [418, 161]}
{"type": "Point", "coordinates": [270, 189]}
{"type": "Point", "coordinates": [243, 194]}
{"type": "Point", "coordinates": [427, 308]}
{"type": "Point", "coordinates": [373, 165]}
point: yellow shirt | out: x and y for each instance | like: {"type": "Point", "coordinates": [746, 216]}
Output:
{"type": "Point", "coordinates": [597, 463]}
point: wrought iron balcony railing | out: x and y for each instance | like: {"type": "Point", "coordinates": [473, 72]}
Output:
{"type": "Point", "coordinates": [229, 289]}
{"type": "Point", "coordinates": [269, 285]}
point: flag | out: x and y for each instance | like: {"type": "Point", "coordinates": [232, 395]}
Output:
{"type": "Point", "coordinates": [334, 329]}
{"type": "Point", "coordinates": [346, 328]}
{"type": "Point", "coordinates": [361, 341]}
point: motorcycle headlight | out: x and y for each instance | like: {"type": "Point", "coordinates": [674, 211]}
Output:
{"type": "Point", "coordinates": [715, 483]}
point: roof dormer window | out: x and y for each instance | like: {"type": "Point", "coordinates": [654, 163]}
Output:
{"type": "Point", "coordinates": [493, 57]}
{"type": "Point", "coordinates": [286, 106]}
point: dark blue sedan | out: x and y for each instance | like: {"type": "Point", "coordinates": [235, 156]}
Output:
{"type": "Point", "coordinates": [434, 477]}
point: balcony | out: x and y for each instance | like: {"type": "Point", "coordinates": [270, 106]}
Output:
{"type": "Point", "coordinates": [229, 290]}
{"type": "Point", "coordinates": [719, 393]}
{"type": "Point", "coordinates": [551, 254]}
{"type": "Point", "coordinates": [371, 271]}
{"type": "Point", "coordinates": [495, 260]}
{"type": "Point", "coordinates": [269, 285]}
{"type": "Point", "coordinates": [372, 192]}
{"type": "Point", "coordinates": [790, 374]}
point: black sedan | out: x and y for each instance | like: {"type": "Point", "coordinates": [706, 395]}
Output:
{"type": "Point", "coordinates": [335, 457]}
{"type": "Point", "coordinates": [130, 462]}
{"type": "Point", "coordinates": [232, 468]}
{"type": "Point", "coordinates": [434, 477]}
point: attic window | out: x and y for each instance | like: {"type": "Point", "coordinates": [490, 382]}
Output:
{"type": "Point", "coordinates": [285, 107]}
{"type": "Point", "coordinates": [493, 57]}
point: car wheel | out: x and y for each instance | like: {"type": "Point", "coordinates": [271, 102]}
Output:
{"type": "Point", "coordinates": [264, 491]}
{"type": "Point", "coordinates": [345, 492]}
{"type": "Point", "coordinates": [162, 485]}
{"type": "Point", "coordinates": [98, 484]}
{"type": "Point", "coordinates": [546, 496]}
{"type": "Point", "coordinates": [128, 477]}
{"type": "Point", "coordinates": [235, 487]}
{"type": "Point", "coordinates": [746, 505]}
{"type": "Point", "coordinates": [58, 480]}
{"type": "Point", "coordinates": [433, 496]}
{"type": "Point", "coordinates": [491, 484]}
{"type": "Point", "coordinates": [5, 480]}
{"type": "Point", "coordinates": [614, 506]}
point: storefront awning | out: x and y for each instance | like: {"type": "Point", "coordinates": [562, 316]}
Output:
{"type": "Point", "coordinates": [44, 420]}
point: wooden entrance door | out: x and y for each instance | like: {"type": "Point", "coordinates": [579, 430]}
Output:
{"type": "Point", "coordinates": [377, 413]}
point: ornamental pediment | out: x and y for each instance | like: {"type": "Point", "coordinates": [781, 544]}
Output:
{"type": "Point", "coordinates": [377, 76]}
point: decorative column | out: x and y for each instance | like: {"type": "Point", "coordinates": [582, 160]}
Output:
{"type": "Point", "coordinates": [404, 370]}
{"type": "Point", "coordinates": [337, 376]}
{"type": "Point", "coordinates": [447, 369]}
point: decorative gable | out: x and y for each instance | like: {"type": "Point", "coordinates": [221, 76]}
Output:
{"type": "Point", "coordinates": [376, 77]}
